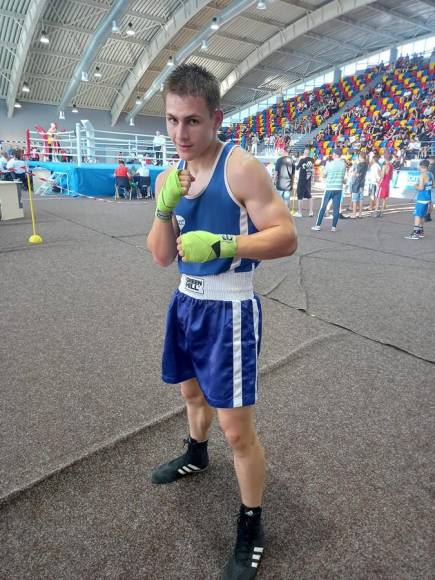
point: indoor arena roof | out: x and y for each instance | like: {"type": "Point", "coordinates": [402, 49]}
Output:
{"type": "Point", "coordinates": [254, 53]}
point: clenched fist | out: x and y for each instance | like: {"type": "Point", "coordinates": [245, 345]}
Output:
{"type": "Point", "coordinates": [177, 183]}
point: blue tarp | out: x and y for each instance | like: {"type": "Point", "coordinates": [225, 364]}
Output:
{"type": "Point", "coordinates": [94, 179]}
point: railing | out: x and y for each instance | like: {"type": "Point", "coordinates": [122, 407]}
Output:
{"type": "Point", "coordinates": [89, 145]}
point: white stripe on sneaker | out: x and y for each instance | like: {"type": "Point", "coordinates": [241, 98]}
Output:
{"type": "Point", "coordinates": [193, 467]}
{"type": "Point", "coordinates": [181, 471]}
{"type": "Point", "coordinates": [255, 565]}
{"type": "Point", "coordinates": [186, 469]}
{"type": "Point", "coordinates": [256, 556]}
{"type": "Point", "coordinates": [258, 549]}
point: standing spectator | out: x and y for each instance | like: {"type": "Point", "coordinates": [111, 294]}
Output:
{"type": "Point", "coordinates": [334, 174]}
{"type": "Point", "coordinates": [254, 144]}
{"type": "Point", "coordinates": [374, 180]}
{"type": "Point", "coordinates": [358, 182]}
{"type": "Point", "coordinates": [158, 143]}
{"type": "Point", "coordinates": [284, 175]}
{"type": "Point", "coordinates": [384, 185]}
{"type": "Point", "coordinates": [305, 167]}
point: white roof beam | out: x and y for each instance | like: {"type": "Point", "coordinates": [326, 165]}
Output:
{"type": "Point", "coordinates": [369, 29]}
{"type": "Point", "coordinates": [30, 23]}
{"type": "Point", "coordinates": [169, 30]}
{"type": "Point", "coordinates": [94, 44]}
{"type": "Point", "coordinates": [232, 10]}
{"type": "Point", "coordinates": [302, 26]}
{"type": "Point", "coordinates": [305, 56]}
{"type": "Point", "coordinates": [378, 7]}
{"type": "Point", "coordinates": [337, 43]}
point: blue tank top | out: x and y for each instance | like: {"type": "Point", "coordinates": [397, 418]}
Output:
{"type": "Point", "coordinates": [216, 210]}
{"type": "Point", "coordinates": [425, 195]}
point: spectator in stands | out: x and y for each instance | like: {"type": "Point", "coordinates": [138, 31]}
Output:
{"type": "Point", "coordinates": [305, 167]}
{"type": "Point", "coordinates": [334, 174]}
{"type": "Point", "coordinates": [158, 143]}
{"type": "Point", "coordinates": [359, 172]}
{"type": "Point", "coordinates": [384, 185]}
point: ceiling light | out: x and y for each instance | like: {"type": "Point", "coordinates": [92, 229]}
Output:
{"type": "Point", "coordinates": [18, 105]}
{"type": "Point", "coordinates": [97, 73]}
{"type": "Point", "coordinates": [115, 28]}
{"type": "Point", "coordinates": [74, 109]}
{"type": "Point", "coordinates": [44, 38]}
{"type": "Point", "coordinates": [204, 45]}
{"type": "Point", "coordinates": [25, 88]}
{"type": "Point", "coordinates": [170, 61]}
{"type": "Point", "coordinates": [131, 122]}
{"type": "Point", "coordinates": [62, 115]}
{"type": "Point", "coordinates": [138, 100]}
{"type": "Point", "coordinates": [261, 5]}
{"type": "Point", "coordinates": [85, 77]}
{"type": "Point", "coordinates": [130, 30]}
{"type": "Point", "coordinates": [214, 24]}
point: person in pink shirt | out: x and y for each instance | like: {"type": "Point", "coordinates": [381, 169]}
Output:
{"type": "Point", "coordinates": [384, 185]}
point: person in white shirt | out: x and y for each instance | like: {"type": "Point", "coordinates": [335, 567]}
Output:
{"type": "Point", "coordinates": [143, 180]}
{"type": "Point", "coordinates": [254, 144]}
{"type": "Point", "coordinates": [374, 175]}
{"type": "Point", "coordinates": [158, 142]}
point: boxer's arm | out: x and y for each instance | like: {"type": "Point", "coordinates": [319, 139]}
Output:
{"type": "Point", "coordinates": [252, 186]}
{"type": "Point", "coordinates": [162, 238]}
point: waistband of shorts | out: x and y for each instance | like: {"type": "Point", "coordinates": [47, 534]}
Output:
{"type": "Point", "coordinates": [227, 286]}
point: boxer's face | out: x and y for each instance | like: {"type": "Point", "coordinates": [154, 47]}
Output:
{"type": "Point", "coordinates": [191, 125]}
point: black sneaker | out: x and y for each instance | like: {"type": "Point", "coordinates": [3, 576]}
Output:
{"type": "Point", "coordinates": [243, 564]}
{"type": "Point", "coordinates": [193, 461]}
{"type": "Point", "coordinates": [428, 218]}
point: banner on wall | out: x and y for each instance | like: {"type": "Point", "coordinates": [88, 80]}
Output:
{"type": "Point", "coordinates": [403, 183]}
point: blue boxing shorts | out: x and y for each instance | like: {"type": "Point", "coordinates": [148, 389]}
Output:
{"type": "Point", "coordinates": [421, 209]}
{"type": "Point", "coordinates": [213, 334]}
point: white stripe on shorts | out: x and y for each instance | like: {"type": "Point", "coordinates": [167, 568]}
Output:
{"type": "Point", "coordinates": [256, 322]}
{"type": "Point", "coordinates": [237, 354]}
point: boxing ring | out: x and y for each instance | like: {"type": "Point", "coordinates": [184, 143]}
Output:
{"type": "Point", "coordinates": [82, 162]}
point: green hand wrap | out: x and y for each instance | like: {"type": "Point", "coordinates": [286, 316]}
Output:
{"type": "Point", "coordinates": [203, 246]}
{"type": "Point", "coordinates": [170, 193]}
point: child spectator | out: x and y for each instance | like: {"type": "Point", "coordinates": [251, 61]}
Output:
{"type": "Point", "coordinates": [384, 185]}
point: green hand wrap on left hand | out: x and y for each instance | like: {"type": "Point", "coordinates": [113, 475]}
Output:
{"type": "Point", "coordinates": [202, 246]}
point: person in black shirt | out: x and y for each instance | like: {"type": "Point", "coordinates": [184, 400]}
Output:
{"type": "Point", "coordinates": [284, 175]}
{"type": "Point", "coordinates": [358, 181]}
{"type": "Point", "coordinates": [305, 167]}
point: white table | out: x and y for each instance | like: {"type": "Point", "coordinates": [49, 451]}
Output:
{"type": "Point", "coordinates": [9, 201]}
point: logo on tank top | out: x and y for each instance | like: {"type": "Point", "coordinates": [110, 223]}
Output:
{"type": "Point", "coordinates": [194, 284]}
{"type": "Point", "coordinates": [181, 222]}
